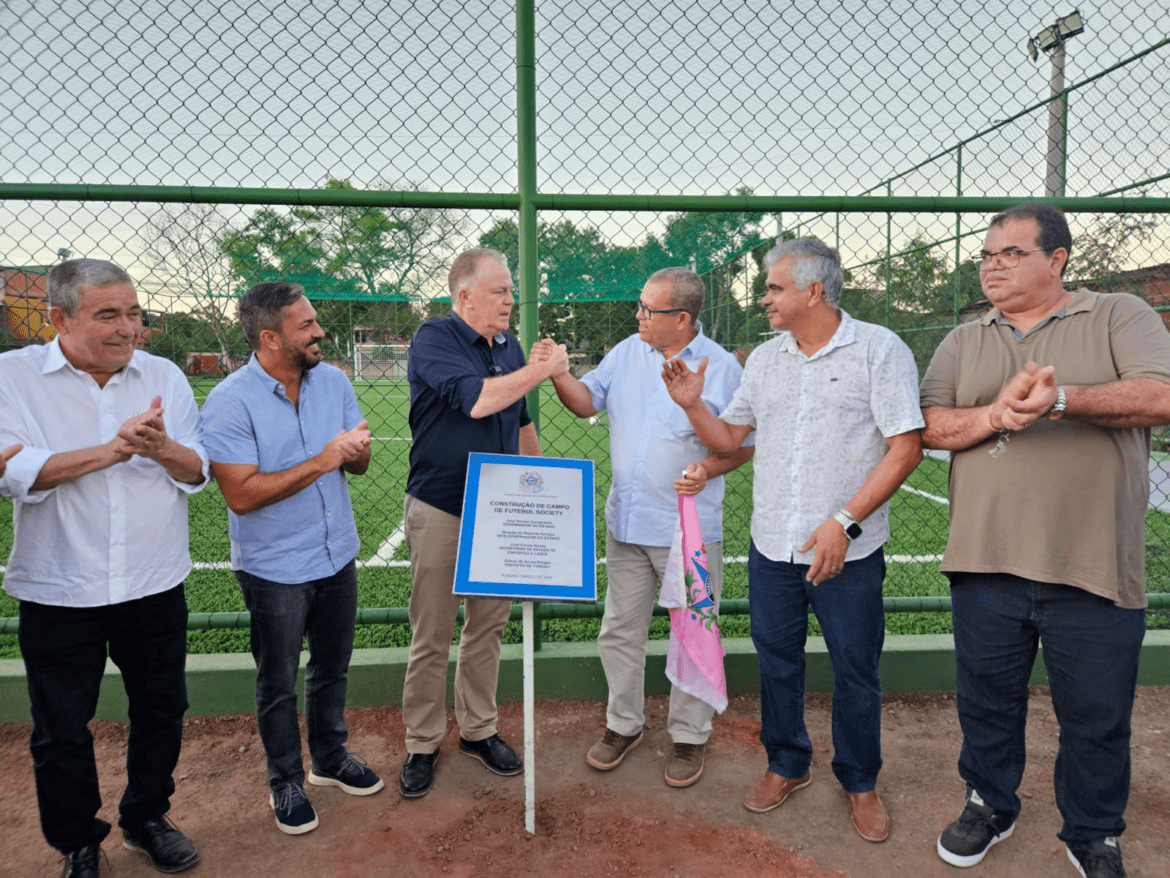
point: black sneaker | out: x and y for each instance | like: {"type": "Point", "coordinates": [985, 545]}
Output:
{"type": "Point", "coordinates": [85, 863]}
{"type": "Point", "coordinates": [163, 844]}
{"type": "Point", "coordinates": [294, 811]}
{"type": "Point", "coordinates": [1096, 859]}
{"type": "Point", "coordinates": [353, 776]}
{"type": "Point", "coordinates": [965, 841]}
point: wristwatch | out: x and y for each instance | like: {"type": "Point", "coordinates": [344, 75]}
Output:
{"type": "Point", "coordinates": [847, 521]}
{"type": "Point", "coordinates": [1057, 410]}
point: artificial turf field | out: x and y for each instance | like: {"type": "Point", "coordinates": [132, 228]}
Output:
{"type": "Point", "coordinates": [918, 521]}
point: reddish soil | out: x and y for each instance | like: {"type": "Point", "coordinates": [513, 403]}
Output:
{"type": "Point", "coordinates": [626, 822]}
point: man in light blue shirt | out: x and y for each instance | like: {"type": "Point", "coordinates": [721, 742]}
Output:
{"type": "Point", "coordinates": [281, 433]}
{"type": "Point", "coordinates": [651, 442]}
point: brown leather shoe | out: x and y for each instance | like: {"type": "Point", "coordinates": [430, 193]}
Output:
{"type": "Point", "coordinates": [771, 790]}
{"type": "Point", "coordinates": [869, 816]}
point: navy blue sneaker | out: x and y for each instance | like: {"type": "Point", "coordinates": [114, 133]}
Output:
{"type": "Point", "coordinates": [353, 776]}
{"type": "Point", "coordinates": [294, 812]}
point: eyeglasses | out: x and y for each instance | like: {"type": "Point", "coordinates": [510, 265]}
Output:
{"type": "Point", "coordinates": [1008, 258]}
{"type": "Point", "coordinates": [643, 309]}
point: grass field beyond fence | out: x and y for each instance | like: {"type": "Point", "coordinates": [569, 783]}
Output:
{"type": "Point", "coordinates": [918, 522]}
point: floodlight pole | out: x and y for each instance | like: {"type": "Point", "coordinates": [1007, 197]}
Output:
{"type": "Point", "coordinates": [1054, 175]}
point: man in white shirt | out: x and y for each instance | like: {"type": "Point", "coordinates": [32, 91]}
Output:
{"type": "Point", "coordinates": [832, 401]}
{"type": "Point", "coordinates": [110, 453]}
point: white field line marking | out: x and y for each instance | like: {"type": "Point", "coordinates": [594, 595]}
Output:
{"type": "Point", "coordinates": [389, 546]}
{"type": "Point", "coordinates": [934, 497]}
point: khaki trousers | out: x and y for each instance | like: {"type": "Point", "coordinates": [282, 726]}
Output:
{"type": "Point", "coordinates": [432, 536]}
{"type": "Point", "coordinates": [634, 574]}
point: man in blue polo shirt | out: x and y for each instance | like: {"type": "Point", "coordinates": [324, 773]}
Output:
{"type": "Point", "coordinates": [650, 442]}
{"type": "Point", "coordinates": [281, 434]}
{"type": "Point", "coordinates": [468, 377]}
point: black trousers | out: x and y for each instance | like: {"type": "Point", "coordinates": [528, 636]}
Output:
{"type": "Point", "coordinates": [64, 651]}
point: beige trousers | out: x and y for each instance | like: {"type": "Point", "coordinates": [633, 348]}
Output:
{"type": "Point", "coordinates": [634, 573]}
{"type": "Point", "coordinates": [432, 536]}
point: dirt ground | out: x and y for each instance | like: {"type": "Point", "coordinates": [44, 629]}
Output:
{"type": "Point", "coordinates": [626, 822]}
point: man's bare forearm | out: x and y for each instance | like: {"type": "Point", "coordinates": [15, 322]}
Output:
{"type": "Point", "coordinates": [501, 391]}
{"type": "Point", "coordinates": [68, 466]}
{"type": "Point", "coordinates": [574, 395]}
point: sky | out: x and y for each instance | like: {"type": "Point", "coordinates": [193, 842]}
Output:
{"type": "Point", "coordinates": [649, 97]}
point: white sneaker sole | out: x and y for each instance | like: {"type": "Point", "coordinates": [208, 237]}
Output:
{"type": "Point", "coordinates": [293, 830]}
{"type": "Point", "coordinates": [319, 780]}
{"type": "Point", "coordinates": [974, 859]}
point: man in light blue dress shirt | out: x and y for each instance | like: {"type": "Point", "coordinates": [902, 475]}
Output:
{"type": "Point", "coordinates": [651, 442]}
{"type": "Point", "coordinates": [281, 434]}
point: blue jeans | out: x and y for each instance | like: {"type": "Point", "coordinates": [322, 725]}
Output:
{"type": "Point", "coordinates": [323, 612]}
{"type": "Point", "coordinates": [64, 651]}
{"type": "Point", "coordinates": [849, 609]}
{"type": "Point", "coordinates": [1091, 649]}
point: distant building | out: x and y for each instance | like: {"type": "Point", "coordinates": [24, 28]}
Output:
{"type": "Point", "coordinates": [26, 308]}
{"type": "Point", "coordinates": [25, 304]}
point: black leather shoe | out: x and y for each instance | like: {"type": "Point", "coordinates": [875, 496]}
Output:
{"type": "Point", "coordinates": [417, 775]}
{"type": "Point", "coordinates": [161, 842]}
{"type": "Point", "coordinates": [494, 754]}
{"type": "Point", "coordinates": [83, 863]}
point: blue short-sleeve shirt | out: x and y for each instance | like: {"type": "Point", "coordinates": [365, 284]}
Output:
{"type": "Point", "coordinates": [448, 363]}
{"type": "Point", "coordinates": [248, 419]}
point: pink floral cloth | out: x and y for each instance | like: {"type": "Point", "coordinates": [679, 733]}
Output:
{"type": "Point", "coordinates": [694, 659]}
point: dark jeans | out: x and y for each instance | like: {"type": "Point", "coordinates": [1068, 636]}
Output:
{"type": "Point", "coordinates": [64, 651]}
{"type": "Point", "coordinates": [323, 611]}
{"type": "Point", "coordinates": [1091, 649]}
{"type": "Point", "coordinates": [852, 618]}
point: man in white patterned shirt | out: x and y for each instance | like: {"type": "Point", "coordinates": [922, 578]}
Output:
{"type": "Point", "coordinates": [834, 405]}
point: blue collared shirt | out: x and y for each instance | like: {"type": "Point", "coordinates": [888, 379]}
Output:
{"type": "Point", "coordinates": [651, 440]}
{"type": "Point", "coordinates": [447, 365]}
{"type": "Point", "coordinates": [248, 419]}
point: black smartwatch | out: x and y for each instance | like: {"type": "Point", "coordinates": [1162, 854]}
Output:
{"type": "Point", "coordinates": [847, 521]}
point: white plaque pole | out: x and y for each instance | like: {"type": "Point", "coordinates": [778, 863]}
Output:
{"type": "Point", "coordinates": [529, 726]}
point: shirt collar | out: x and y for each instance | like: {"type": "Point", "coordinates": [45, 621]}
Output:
{"type": "Point", "coordinates": [470, 335]}
{"type": "Point", "coordinates": [272, 385]}
{"type": "Point", "coordinates": [1083, 300]}
{"type": "Point", "coordinates": [846, 334]}
{"type": "Point", "coordinates": [55, 360]}
{"type": "Point", "coordinates": [691, 346]}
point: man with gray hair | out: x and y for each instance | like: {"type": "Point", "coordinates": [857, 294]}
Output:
{"type": "Point", "coordinates": [834, 405]}
{"type": "Point", "coordinates": [468, 377]}
{"type": "Point", "coordinates": [110, 453]}
{"type": "Point", "coordinates": [651, 442]}
{"type": "Point", "coordinates": [283, 433]}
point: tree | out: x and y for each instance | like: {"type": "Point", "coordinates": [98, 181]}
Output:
{"type": "Point", "coordinates": [1100, 254]}
{"type": "Point", "coordinates": [361, 264]}
{"type": "Point", "coordinates": [910, 279]}
{"type": "Point", "coordinates": [180, 246]}
{"type": "Point", "coordinates": [717, 245]}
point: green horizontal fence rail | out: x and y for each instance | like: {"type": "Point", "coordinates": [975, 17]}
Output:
{"type": "Point", "coordinates": [552, 610]}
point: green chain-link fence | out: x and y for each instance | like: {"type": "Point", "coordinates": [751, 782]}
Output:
{"type": "Point", "coordinates": [356, 145]}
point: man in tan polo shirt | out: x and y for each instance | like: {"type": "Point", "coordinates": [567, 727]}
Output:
{"type": "Point", "coordinates": [1046, 405]}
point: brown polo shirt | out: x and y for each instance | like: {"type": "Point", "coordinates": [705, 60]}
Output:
{"type": "Point", "coordinates": [1065, 502]}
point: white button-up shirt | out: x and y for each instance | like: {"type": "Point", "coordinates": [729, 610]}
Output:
{"type": "Point", "coordinates": [821, 424]}
{"type": "Point", "coordinates": [110, 536]}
